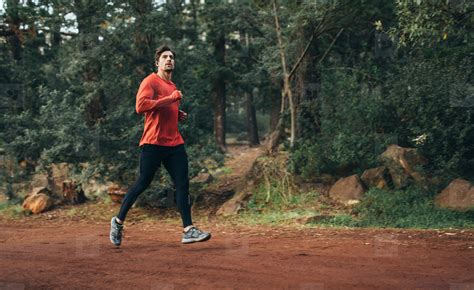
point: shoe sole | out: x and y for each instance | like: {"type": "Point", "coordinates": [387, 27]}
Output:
{"type": "Point", "coordinates": [190, 241]}
{"type": "Point", "coordinates": [110, 237]}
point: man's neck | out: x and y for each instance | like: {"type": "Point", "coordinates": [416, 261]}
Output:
{"type": "Point", "coordinates": [164, 75]}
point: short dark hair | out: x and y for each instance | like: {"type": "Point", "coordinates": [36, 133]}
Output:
{"type": "Point", "coordinates": [162, 49]}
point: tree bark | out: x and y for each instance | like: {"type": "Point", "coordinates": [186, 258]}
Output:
{"type": "Point", "coordinates": [14, 34]}
{"type": "Point", "coordinates": [252, 129]}
{"type": "Point", "coordinates": [88, 15]}
{"type": "Point", "coordinates": [219, 95]}
{"type": "Point", "coordinates": [286, 92]}
{"type": "Point", "coordinates": [251, 116]}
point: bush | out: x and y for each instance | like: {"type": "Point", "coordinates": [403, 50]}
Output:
{"type": "Point", "coordinates": [413, 207]}
{"type": "Point", "coordinates": [432, 97]}
{"type": "Point", "coordinates": [425, 104]}
{"type": "Point", "coordinates": [353, 125]}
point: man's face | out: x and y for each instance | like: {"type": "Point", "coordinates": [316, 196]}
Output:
{"type": "Point", "coordinates": [166, 61]}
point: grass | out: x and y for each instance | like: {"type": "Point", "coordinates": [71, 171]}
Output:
{"type": "Point", "coordinates": [12, 209]}
{"type": "Point", "coordinates": [409, 208]}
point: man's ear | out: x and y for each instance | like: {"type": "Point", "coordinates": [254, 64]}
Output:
{"type": "Point", "coordinates": [156, 63]}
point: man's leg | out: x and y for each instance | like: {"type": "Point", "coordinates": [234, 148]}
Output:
{"type": "Point", "coordinates": [176, 163]}
{"type": "Point", "coordinates": [149, 162]}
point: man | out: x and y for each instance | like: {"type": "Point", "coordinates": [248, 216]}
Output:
{"type": "Point", "coordinates": [161, 142]}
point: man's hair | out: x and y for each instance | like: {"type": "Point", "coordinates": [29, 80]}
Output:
{"type": "Point", "coordinates": [162, 49]}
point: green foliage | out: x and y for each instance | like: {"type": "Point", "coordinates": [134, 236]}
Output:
{"type": "Point", "coordinates": [410, 208]}
{"type": "Point", "coordinates": [353, 127]}
{"type": "Point", "coordinates": [277, 200]}
{"type": "Point", "coordinates": [413, 207]}
{"type": "Point", "coordinates": [431, 99]}
{"type": "Point", "coordinates": [73, 84]}
{"type": "Point", "coordinates": [427, 23]}
{"type": "Point", "coordinates": [12, 209]}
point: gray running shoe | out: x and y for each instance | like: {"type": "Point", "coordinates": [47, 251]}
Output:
{"type": "Point", "coordinates": [195, 235]}
{"type": "Point", "coordinates": [115, 232]}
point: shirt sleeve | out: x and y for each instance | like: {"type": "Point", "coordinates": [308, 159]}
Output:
{"type": "Point", "coordinates": [145, 101]}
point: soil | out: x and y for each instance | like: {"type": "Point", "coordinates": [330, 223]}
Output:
{"type": "Point", "coordinates": [77, 254]}
{"type": "Point", "coordinates": [69, 248]}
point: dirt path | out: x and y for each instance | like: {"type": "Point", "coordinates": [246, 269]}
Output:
{"type": "Point", "coordinates": [77, 254]}
{"type": "Point", "coordinates": [69, 248]}
{"type": "Point", "coordinates": [237, 164]}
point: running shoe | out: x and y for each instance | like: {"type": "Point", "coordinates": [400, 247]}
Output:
{"type": "Point", "coordinates": [195, 235]}
{"type": "Point", "coordinates": [115, 232]}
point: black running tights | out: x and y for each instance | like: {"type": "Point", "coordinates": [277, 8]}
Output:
{"type": "Point", "coordinates": [175, 161]}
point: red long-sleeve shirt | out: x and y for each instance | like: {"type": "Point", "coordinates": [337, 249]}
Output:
{"type": "Point", "coordinates": [155, 98]}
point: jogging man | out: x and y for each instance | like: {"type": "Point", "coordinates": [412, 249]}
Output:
{"type": "Point", "coordinates": [161, 142]}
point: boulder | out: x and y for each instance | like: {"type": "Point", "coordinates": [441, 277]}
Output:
{"type": "Point", "coordinates": [235, 204]}
{"type": "Point", "coordinates": [459, 194]}
{"type": "Point", "coordinates": [376, 177]}
{"type": "Point", "coordinates": [404, 164]}
{"type": "Point", "coordinates": [347, 189]}
{"type": "Point", "coordinates": [38, 200]}
{"type": "Point", "coordinates": [239, 200]}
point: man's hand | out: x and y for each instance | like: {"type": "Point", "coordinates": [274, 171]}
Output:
{"type": "Point", "coordinates": [182, 115]}
{"type": "Point", "coordinates": [177, 95]}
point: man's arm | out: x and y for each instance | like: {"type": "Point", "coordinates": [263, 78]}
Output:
{"type": "Point", "coordinates": [145, 102]}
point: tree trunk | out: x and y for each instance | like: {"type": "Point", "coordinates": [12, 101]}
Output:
{"type": "Point", "coordinates": [142, 40]}
{"type": "Point", "coordinates": [252, 129]}
{"type": "Point", "coordinates": [286, 92]}
{"type": "Point", "coordinates": [275, 111]}
{"type": "Point", "coordinates": [251, 116]}
{"type": "Point", "coordinates": [15, 33]}
{"type": "Point", "coordinates": [219, 96]}
{"type": "Point", "coordinates": [88, 17]}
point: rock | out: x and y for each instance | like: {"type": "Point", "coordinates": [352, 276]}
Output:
{"type": "Point", "coordinates": [38, 200]}
{"type": "Point", "coordinates": [202, 178]}
{"type": "Point", "coordinates": [235, 204]}
{"type": "Point", "coordinates": [403, 165]}
{"type": "Point", "coordinates": [243, 192]}
{"type": "Point", "coordinates": [347, 188]}
{"type": "Point", "coordinates": [459, 194]}
{"type": "Point", "coordinates": [72, 193]}
{"type": "Point", "coordinates": [116, 193]}
{"type": "Point", "coordinates": [376, 177]}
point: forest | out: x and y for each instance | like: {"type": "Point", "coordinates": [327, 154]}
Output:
{"type": "Point", "coordinates": [330, 84]}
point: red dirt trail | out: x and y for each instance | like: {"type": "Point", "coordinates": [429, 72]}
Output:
{"type": "Point", "coordinates": [78, 255]}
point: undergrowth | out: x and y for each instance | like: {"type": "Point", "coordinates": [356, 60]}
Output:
{"type": "Point", "coordinates": [409, 208]}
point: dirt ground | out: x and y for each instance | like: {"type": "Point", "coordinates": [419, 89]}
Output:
{"type": "Point", "coordinates": [69, 248]}
{"type": "Point", "coordinates": [77, 254]}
